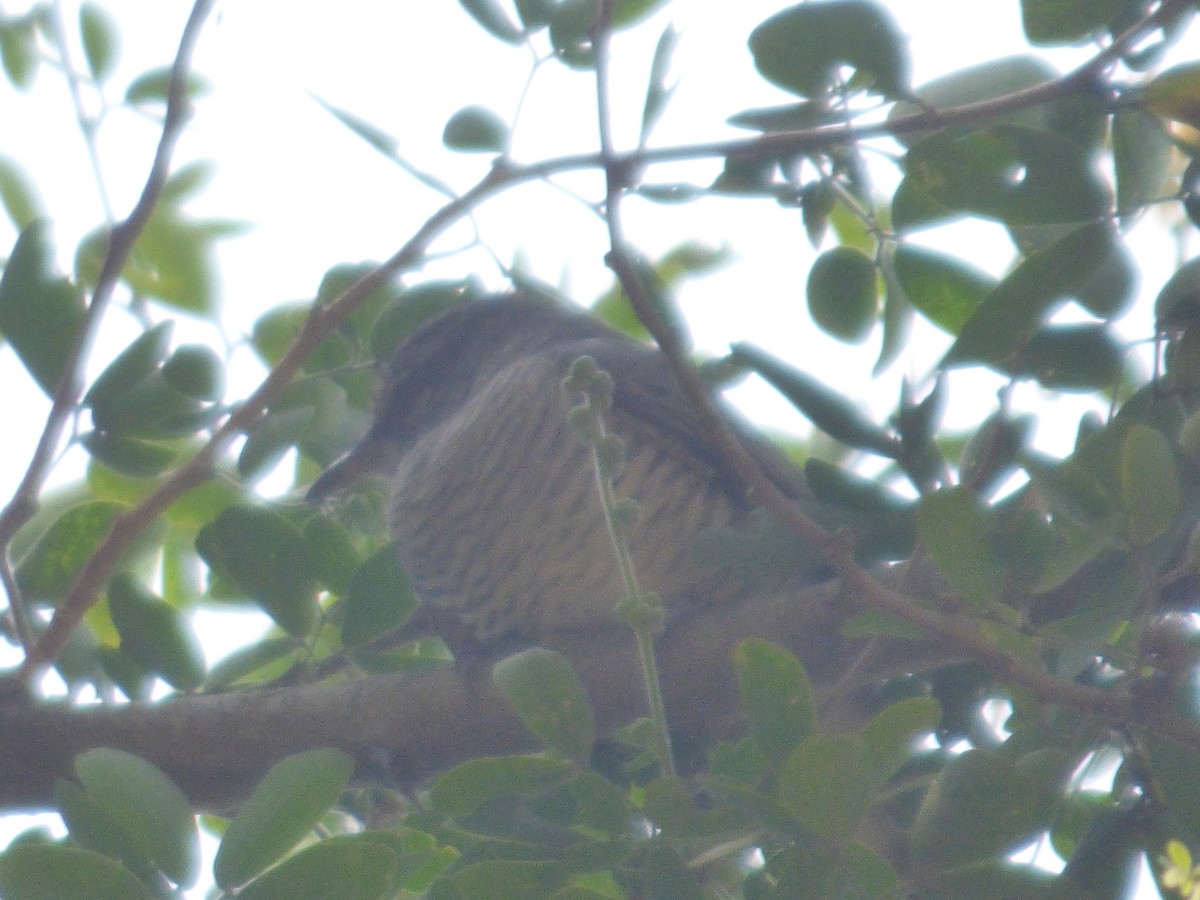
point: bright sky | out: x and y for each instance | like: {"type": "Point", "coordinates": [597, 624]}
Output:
{"type": "Point", "coordinates": [317, 195]}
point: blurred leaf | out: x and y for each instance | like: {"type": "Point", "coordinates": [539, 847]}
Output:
{"type": "Point", "coordinates": [1013, 311]}
{"type": "Point", "coordinates": [262, 553]}
{"type": "Point", "coordinates": [959, 533]}
{"type": "Point", "coordinates": [1080, 357]}
{"type": "Point", "coordinates": [827, 783]}
{"type": "Point", "coordinates": [551, 699]}
{"type": "Point", "coordinates": [1149, 484]}
{"type": "Point", "coordinates": [842, 294]}
{"type": "Point", "coordinates": [1055, 22]}
{"type": "Point", "coordinates": [1069, 487]}
{"type": "Point", "coordinates": [18, 194]}
{"type": "Point", "coordinates": [829, 411]}
{"type": "Point", "coordinates": [321, 872]}
{"type": "Point", "coordinates": [153, 86]}
{"type": "Point", "coordinates": [658, 92]}
{"type": "Point", "coordinates": [142, 357]}
{"type": "Point", "coordinates": [101, 41]}
{"type": "Point", "coordinates": [129, 456]}
{"type": "Point", "coordinates": [58, 872]}
{"type": "Point", "coordinates": [776, 696]}
{"type": "Point", "coordinates": [151, 811]}
{"type": "Point", "coordinates": [494, 20]}
{"type": "Point", "coordinates": [1178, 303]}
{"type": "Point", "coordinates": [1175, 94]}
{"type": "Point", "coordinates": [41, 313]}
{"type": "Point", "coordinates": [946, 290]}
{"type": "Point", "coordinates": [801, 48]}
{"type": "Point", "coordinates": [1141, 157]}
{"type": "Point", "coordinates": [285, 806]}
{"type": "Point", "coordinates": [18, 51]}
{"type": "Point", "coordinates": [154, 633]}
{"type": "Point", "coordinates": [570, 32]}
{"type": "Point", "coordinates": [504, 879]}
{"type": "Point", "coordinates": [378, 598]}
{"type": "Point", "coordinates": [892, 734]}
{"type": "Point", "coordinates": [476, 129]}
{"type": "Point", "coordinates": [470, 785]}
{"type": "Point", "coordinates": [1016, 174]}
{"type": "Point", "coordinates": [46, 573]}
{"type": "Point", "coordinates": [195, 371]}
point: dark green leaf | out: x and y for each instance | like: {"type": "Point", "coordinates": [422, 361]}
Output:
{"type": "Point", "coordinates": [142, 357]}
{"type": "Point", "coordinates": [101, 42]}
{"type": "Point", "coordinates": [129, 456]}
{"type": "Point", "coordinates": [196, 372]}
{"type": "Point", "coordinates": [40, 312]}
{"type": "Point", "coordinates": [48, 570]}
{"type": "Point", "coordinates": [470, 785]}
{"type": "Point", "coordinates": [828, 782]}
{"type": "Point", "coordinates": [346, 867]}
{"type": "Point", "coordinates": [1142, 158]}
{"type": "Point", "coordinates": [958, 532]}
{"type": "Point", "coordinates": [842, 295]}
{"type": "Point", "coordinates": [893, 733]}
{"type": "Point", "coordinates": [946, 290]}
{"type": "Point", "coordinates": [285, 806]}
{"type": "Point", "coordinates": [1015, 308]}
{"type": "Point", "coordinates": [776, 696]}
{"type": "Point", "coordinates": [801, 48]}
{"type": "Point", "coordinates": [1073, 358]}
{"type": "Point", "coordinates": [658, 92]}
{"type": "Point", "coordinates": [506, 880]}
{"type": "Point", "coordinates": [1069, 487]}
{"type": "Point", "coordinates": [378, 598]}
{"type": "Point", "coordinates": [829, 411]}
{"type": "Point", "coordinates": [1178, 303]}
{"type": "Point", "coordinates": [154, 633]}
{"type": "Point", "coordinates": [551, 700]}
{"type": "Point", "coordinates": [1016, 174]}
{"type": "Point", "coordinates": [476, 129]}
{"type": "Point", "coordinates": [1149, 484]}
{"type": "Point", "coordinates": [570, 32]}
{"type": "Point", "coordinates": [1053, 22]}
{"type": "Point", "coordinates": [57, 872]}
{"type": "Point", "coordinates": [264, 555]}
{"type": "Point", "coordinates": [151, 811]}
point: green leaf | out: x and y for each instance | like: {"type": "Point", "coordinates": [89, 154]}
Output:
{"type": "Point", "coordinates": [18, 51]}
{"type": "Point", "coordinates": [1142, 152]}
{"type": "Point", "coordinates": [959, 535]}
{"type": "Point", "coordinates": [1010, 315]}
{"type": "Point", "coordinates": [153, 86]}
{"type": "Point", "coordinates": [322, 872]}
{"type": "Point", "coordinates": [1012, 173]}
{"type": "Point", "coordinates": [262, 553]}
{"type": "Point", "coordinates": [476, 782]}
{"type": "Point", "coordinates": [504, 879]}
{"type": "Point", "coordinates": [172, 261]}
{"type": "Point", "coordinates": [1069, 487]}
{"type": "Point", "coordinates": [150, 810]}
{"type": "Point", "coordinates": [494, 20]}
{"type": "Point", "coordinates": [154, 633]}
{"type": "Point", "coordinates": [101, 42]}
{"type": "Point", "coordinates": [1080, 357]}
{"type": "Point", "coordinates": [142, 357]}
{"type": "Point", "coordinates": [979, 806]}
{"type": "Point", "coordinates": [196, 372]}
{"type": "Point", "coordinates": [1178, 303]}
{"type": "Point", "coordinates": [1054, 22]}
{"type": "Point", "coordinates": [58, 872]}
{"type": "Point", "coordinates": [827, 783]}
{"type": "Point", "coordinates": [551, 700]}
{"type": "Point", "coordinates": [285, 806]}
{"type": "Point", "coordinates": [842, 294]}
{"type": "Point", "coordinates": [476, 129]}
{"type": "Point", "coordinates": [776, 696]}
{"type": "Point", "coordinates": [46, 573]}
{"type": "Point", "coordinates": [829, 411]}
{"type": "Point", "coordinates": [801, 48]}
{"type": "Point", "coordinates": [658, 92]}
{"type": "Point", "coordinates": [378, 599]}
{"type": "Point", "coordinates": [18, 194]}
{"type": "Point", "coordinates": [129, 456]}
{"type": "Point", "coordinates": [1149, 484]}
{"type": "Point", "coordinates": [946, 290]}
{"type": "Point", "coordinates": [40, 312]}
{"type": "Point", "coordinates": [892, 733]}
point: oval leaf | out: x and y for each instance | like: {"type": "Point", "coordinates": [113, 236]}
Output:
{"type": "Point", "coordinates": [842, 294]}
{"type": "Point", "coordinates": [551, 699]}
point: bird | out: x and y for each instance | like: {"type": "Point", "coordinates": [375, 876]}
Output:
{"type": "Point", "coordinates": [493, 496]}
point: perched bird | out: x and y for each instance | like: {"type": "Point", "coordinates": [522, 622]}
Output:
{"type": "Point", "coordinates": [494, 502]}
